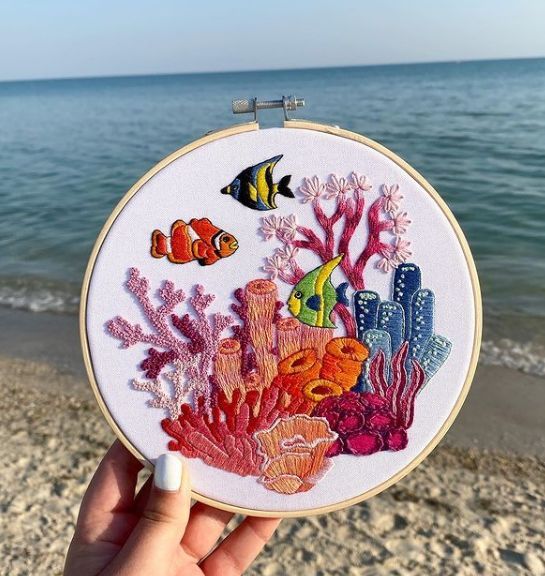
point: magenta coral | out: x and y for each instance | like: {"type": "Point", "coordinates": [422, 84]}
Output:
{"type": "Point", "coordinates": [372, 421]}
{"type": "Point", "coordinates": [337, 232]}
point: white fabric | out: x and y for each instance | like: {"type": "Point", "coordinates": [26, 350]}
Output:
{"type": "Point", "coordinates": [190, 187]}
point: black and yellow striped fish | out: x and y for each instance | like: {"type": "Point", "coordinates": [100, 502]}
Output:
{"type": "Point", "coordinates": [254, 186]}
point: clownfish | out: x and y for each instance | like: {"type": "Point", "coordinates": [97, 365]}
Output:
{"type": "Point", "coordinates": [313, 298]}
{"type": "Point", "coordinates": [199, 240]}
{"type": "Point", "coordinates": [254, 186]}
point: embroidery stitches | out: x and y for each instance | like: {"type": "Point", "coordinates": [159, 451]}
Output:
{"type": "Point", "coordinates": [254, 186]}
{"type": "Point", "coordinates": [197, 240]}
{"type": "Point", "coordinates": [337, 231]}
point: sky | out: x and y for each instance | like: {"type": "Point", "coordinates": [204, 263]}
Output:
{"type": "Point", "coordinates": [78, 38]}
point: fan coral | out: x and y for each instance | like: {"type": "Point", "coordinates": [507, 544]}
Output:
{"type": "Point", "coordinates": [371, 421]}
{"type": "Point", "coordinates": [293, 451]}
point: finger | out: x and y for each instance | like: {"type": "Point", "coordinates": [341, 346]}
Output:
{"type": "Point", "coordinates": [111, 491]}
{"type": "Point", "coordinates": [155, 540]}
{"type": "Point", "coordinates": [240, 548]}
{"type": "Point", "coordinates": [142, 497]}
{"type": "Point", "coordinates": [205, 526]}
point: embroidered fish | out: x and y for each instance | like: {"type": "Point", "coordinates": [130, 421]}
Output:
{"type": "Point", "coordinates": [199, 240]}
{"type": "Point", "coordinates": [313, 298]}
{"type": "Point", "coordinates": [254, 186]}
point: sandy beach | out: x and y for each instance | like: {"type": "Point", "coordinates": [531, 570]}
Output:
{"type": "Point", "coordinates": [475, 506]}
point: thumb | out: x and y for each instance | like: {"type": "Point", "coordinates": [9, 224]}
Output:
{"type": "Point", "coordinates": [154, 543]}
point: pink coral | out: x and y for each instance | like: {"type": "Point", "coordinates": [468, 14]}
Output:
{"type": "Point", "coordinates": [200, 333]}
{"type": "Point", "coordinates": [335, 230]}
{"type": "Point", "coordinates": [294, 450]}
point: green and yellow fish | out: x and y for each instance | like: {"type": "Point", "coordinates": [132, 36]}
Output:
{"type": "Point", "coordinates": [313, 298]}
{"type": "Point", "coordinates": [254, 186]}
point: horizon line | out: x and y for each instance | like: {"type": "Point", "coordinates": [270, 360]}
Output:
{"type": "Point", "coordinates": [261, 70]}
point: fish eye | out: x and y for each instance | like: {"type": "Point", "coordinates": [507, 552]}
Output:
{"type": "Point", "coordinates": [226, 239]}
{"type": "Point", "coordinates": [234, 185]}
{"type": "Point", "coordinates": [298, 295]}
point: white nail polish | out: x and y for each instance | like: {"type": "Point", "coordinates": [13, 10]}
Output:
{"type": "Point", "coordinates": [168, 472]}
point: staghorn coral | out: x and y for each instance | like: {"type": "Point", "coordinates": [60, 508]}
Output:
{"type": "Point", "coordinates": [337, 231]}
{"type": "Point", "coordinates": [293, 451]}
{"type": "Point", "coordinates": [194, 350]}
{"type": "Point", "coordinates": [372, 421]}
{"type": "Point", "coordinates": [224, 439]}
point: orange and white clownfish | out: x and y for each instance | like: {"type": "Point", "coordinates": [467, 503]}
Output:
{"type": "Point", "coordinates": [199, 240]}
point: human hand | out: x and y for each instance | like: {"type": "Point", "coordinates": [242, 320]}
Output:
{"type": "Point", "coordinates": [156, 532]}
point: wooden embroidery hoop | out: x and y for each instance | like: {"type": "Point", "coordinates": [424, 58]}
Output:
{"type": "Point", "coordinates": [333, 131]}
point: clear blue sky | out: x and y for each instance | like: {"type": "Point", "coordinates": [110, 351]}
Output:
{"type": "Point", "coordinates": [67, 38]}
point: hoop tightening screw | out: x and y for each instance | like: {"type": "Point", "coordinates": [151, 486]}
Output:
{"type": "Point", "coordinates": [252, 105]}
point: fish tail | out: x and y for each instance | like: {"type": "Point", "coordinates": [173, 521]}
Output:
{"type": "Point", "coordinates": [158, 244]}
{"type": "Point", "coordinates": [283, 187]}
{"type": "Point", "coordinates": [341, 294]}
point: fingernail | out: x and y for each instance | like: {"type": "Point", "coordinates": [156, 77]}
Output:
{"type": "Point", "coordinates": [168, 472]}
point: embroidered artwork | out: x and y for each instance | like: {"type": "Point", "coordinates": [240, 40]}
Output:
{"type": "Point", "coordinates": [314, 297]}
{"type": "Point", "coordinates": [300, 342]}
{"type": "Point", "coordinates": [253, 392]}
{"type": "Point", "coordinates": [197, 240]}
{"type": "Point", "coordinates": [254, 187]}
{"type": "Point", "coordinates": [277, 398]}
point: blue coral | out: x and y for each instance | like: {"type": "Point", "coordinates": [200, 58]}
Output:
{"type": "Point", "coordinates": [386, 324]}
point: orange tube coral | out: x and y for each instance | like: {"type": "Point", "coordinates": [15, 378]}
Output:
{"type": "Point", "coordinates": [315, 337]}
{"type": "Point", "coordinates": [298, 369]}
{"type": "Point", "coordinates": [227, 366]}
{"type": "Point", "coordinates": [261, 297]}
{"type": "Point", "coordinates": [342, 361]}
{"type": "Point", "coordinates": [294, 450]}
{"type": "Point", "coordinates": [319, 389]}
{"type": "Point", "coordinates": [288, 337]}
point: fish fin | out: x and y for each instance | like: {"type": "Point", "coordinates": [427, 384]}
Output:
{"type": "Point", "coordinates": [283, 188]}
{"type": "Point", "coordinates": [314, 302]}
{"type": "Point", "coordinates": [158, 244]}
{"type": "Point", "coordinates": [341, 294]}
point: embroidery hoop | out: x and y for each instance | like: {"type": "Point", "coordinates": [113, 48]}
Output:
{"type": "Point", "coordinates": [333, 131]}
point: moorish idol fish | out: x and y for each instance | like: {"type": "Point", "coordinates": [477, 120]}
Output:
{"type": "Point", "coordinates": [313, 298]}
{"type": "Point", "coordinates": [254, 186]}
{"type": "Point", "coordinates": [199, 240]}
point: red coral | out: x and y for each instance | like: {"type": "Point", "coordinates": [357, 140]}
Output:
{"type": "Point", "coordinates": [371, 421]}
{"type": "Point", "coordinates": [224, 439]}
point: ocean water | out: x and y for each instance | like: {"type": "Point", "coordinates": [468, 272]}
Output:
{"type": "Point", "coordinates": [71, 148]}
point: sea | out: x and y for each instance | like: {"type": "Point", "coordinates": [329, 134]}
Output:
{"type": "Point", "coordinates": [69, 150]}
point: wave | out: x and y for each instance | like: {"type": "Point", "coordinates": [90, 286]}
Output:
{"type": "Point", "coordinates": [39, 295]}
{"type": "Point", "coordinates": [526, 357]}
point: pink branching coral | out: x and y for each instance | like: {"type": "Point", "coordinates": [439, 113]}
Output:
{"type": "Point", "coordinates": [224, 439]}
{"type": "Point", "coordinates": [200, 333]}
{"type": "Point", "coordinates": [338, 229]}
{"type": "Point", "coordinates": [372, 421]}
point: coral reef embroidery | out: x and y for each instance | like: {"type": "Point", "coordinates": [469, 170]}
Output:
{"type": "Point", "coordinates": [254, 187]}
{"type": "Point", "coordinates": [280, 398]}
{"type": "Point", "coordinates": [197, 240]}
